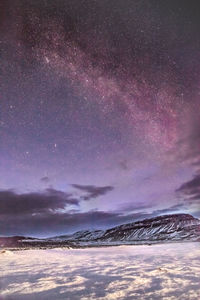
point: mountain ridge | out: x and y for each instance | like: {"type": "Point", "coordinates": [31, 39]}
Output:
{"type": "Point", "coordinates": [165, 227]}
{"type": "Point", "coordinates": [160, 229]}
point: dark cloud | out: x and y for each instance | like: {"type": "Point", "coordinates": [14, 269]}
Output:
{"type": "Point", "coordinates": [191, 189]}
{"type": "Point", "coordinates": [40, 214]}
{"type": "Point", "coordinates": [12, 203]}
{"type": "Point", "coordinates": [45, 179]}
{"type": "Point", "coordinates": [50, 223]}
{"type": "Point", "coordinates": [93, 191]}
{"type": "Point", "coordinates": [57, 223]}
{"type": "Point", "coordinates": [191, 185]}
{"type": "Point", "coordinates": [169, 210]}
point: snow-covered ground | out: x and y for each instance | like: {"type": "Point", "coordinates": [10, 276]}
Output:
{"type": "Point", "coordinates": [168, 271]}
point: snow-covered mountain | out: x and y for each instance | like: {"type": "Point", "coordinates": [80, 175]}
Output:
{"type": "Point", "coordinates": [83, 235]}
{"type": "Point", "coordinates": [163, 228]}
{"type": "Point", "coordinates": [175, 227]}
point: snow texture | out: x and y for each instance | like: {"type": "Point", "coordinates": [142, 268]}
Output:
{"type": "Point", "coordinates": [166, 271]}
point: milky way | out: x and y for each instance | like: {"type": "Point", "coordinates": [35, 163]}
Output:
{"type": "Point", "coordinates": [102, 95]}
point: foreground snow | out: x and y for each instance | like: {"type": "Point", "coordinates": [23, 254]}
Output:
{"type": "Point", "coordinates": [169, 271]}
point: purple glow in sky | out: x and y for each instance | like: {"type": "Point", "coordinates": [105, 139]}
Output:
{"type": "Point", "coordinates": [99, 112]}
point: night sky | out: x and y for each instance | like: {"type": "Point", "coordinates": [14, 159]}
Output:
{"type": "Point", "coordinates": [99, 113]}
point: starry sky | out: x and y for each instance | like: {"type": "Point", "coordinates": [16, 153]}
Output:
{"type": "Point", "coordinates": [99, 113]}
